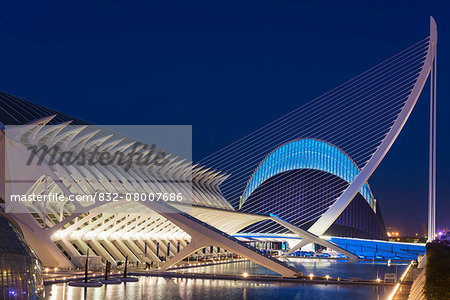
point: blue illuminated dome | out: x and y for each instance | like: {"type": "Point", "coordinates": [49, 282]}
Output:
{"type": "Point", "coordinates": [306, 154]}
{"type": "Point", "coordinates": [300, 180]}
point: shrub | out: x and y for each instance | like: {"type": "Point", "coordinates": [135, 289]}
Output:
{"type": "Point", "coordinates": [437, 272]}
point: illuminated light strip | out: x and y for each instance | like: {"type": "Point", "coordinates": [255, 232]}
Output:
{"type": "Point", "coordinates": [406, 271]}
{"type": "Point", "coordinates": [391, 295]}
{"type": "Point", "coordinates": [394, 292]}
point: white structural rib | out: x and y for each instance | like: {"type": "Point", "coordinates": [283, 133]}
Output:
{"type": "Point", "coordinates": [328, 218]}
{"type": "Point", "coordinates": [308, 238]}
{"type": "Point", "coordinates": [204, 235]}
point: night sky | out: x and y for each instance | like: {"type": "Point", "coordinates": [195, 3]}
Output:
{"type": "Point", "coordinates": [228, 69]}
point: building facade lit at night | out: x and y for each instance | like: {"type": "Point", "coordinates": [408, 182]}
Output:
{"type": "Point", "coordinates": [299, 186]}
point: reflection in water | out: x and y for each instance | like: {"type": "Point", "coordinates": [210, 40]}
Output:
{"type": "Point", "coordinates": [318, 267]}
{"type": "Point", "coordinates": [181, 288]}
{"type": "Point", "coordinates": [163, 288]}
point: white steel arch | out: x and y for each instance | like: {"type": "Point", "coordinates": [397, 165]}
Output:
{"type": "Point", "coordinates": [327, 219]}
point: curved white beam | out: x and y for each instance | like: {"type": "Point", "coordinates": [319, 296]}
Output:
{"type": "Point", "coordinates": [328, 218]}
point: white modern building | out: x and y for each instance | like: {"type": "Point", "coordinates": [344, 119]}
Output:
{"type": "Point", "coordinates": [322, 177]}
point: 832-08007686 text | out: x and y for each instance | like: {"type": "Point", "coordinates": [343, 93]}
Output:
{"type": "Point", "coordinates": [99, 196]}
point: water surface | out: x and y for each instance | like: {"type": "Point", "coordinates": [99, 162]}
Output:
{"type": "Point", "coordinates": [182, 288]}
{"type": "Point", "coordinates": [320, 267]}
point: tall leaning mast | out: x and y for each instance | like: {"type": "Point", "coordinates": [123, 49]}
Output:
{"type": "Point", "coordinates": [432, 141]}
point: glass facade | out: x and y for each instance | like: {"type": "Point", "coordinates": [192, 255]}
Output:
{"type": "Point", "coordinates": [20, 269]}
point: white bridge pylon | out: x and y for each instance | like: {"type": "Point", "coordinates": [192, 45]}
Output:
{"type": "Point", "coordinates": [328, 218]}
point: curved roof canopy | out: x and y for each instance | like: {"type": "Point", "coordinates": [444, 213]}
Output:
{"type": "Point", "coordinates": [306, 154]}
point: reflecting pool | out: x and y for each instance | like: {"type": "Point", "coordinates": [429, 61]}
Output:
{"type": "Point", "coordinates": [320, 267]}
{"type": "Point", "coordinates": [165, 288]}
{"type": "Point", "coordinates": [182, 288]}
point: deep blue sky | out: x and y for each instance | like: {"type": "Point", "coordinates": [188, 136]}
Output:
{"type": "Point", "coordinates": [227, 69]}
